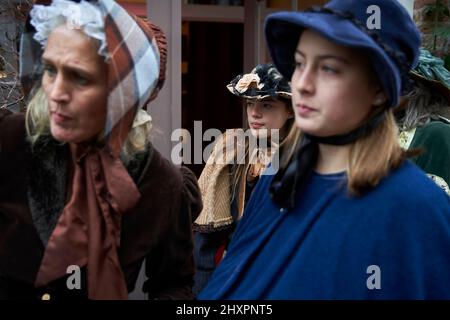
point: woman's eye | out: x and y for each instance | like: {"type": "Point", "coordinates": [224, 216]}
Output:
{"type": "Point", "coordinates": [267, 106]}
{"type": "Point", "coordinates": [80, 79]}
{"type": "Point", "coordinates": [49, 70]}
{"type": "Point", "coordinates": [298, 64]}
{"type": "Point", "coordinates": [329, 69]}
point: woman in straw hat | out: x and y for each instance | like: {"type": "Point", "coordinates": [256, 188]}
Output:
{"type": "Point", "coordinates": [236, 164]}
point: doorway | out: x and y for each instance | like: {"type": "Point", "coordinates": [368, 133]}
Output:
{"type": "Point", "coordinates": [212, 55]}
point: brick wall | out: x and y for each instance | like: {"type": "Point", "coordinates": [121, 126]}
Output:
{"type": "Point", "coordinates": [426, 24]}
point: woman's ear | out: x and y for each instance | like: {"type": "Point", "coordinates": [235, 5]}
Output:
{"type": "Point", "coordinates": [380, 98]}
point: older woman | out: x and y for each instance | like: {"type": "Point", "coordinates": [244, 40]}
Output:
{"type": "Point", "coordinates": [82, 188]}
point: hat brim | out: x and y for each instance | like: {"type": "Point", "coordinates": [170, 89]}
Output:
{"type": "Point", "coordinates": [261, 97]}
{"type": "Point", "coordinates": [283, 30]}
{"type": "Point", "coordinates": [283, 94]}
{"type": "Point", "coordinates": [444, 90]}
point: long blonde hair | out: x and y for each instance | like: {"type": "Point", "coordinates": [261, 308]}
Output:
{"type": "Point", "coordinates": [372, 157]}
{"type": "Point", "coordinates": [37, 125]}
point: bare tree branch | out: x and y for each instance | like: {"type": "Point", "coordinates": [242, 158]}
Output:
{"type": "Point", "coordinates": [12, 18]}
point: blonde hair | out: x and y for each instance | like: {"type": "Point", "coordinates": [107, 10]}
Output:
{"type": "Point", "coordinates": [37, 120]}
{"type": "Point", "coordinates": [37, 125]}
{"type": "Point", "coordinates": [373, 156]}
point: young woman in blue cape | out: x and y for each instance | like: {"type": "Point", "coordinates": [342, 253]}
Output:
{"type": "Point", "coordinates": [349, 217]}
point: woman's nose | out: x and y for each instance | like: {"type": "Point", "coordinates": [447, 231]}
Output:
{"type": "Point", "coordinates": [59, 90]}
{"type": "Point", "coordinates": [256, 111]}
{"type": "Point", "coordinates": [303, 80]}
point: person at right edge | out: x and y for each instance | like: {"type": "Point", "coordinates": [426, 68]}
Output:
{"type": "Point", "coordinates": [349, 217]}
{"type": "Point", "coordinates": [423, 118]}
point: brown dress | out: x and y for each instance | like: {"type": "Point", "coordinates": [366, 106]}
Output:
{"type": "Point", "coordinates": [32, 194]}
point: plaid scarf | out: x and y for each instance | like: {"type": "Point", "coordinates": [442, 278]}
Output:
{"type": "Point", "coordinates": [88, 230]}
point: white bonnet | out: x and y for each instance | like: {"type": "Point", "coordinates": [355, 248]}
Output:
{"type": "Point", "coordinates": [84, 16]}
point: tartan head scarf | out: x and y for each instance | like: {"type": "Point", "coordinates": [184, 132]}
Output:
{"type": "Point", "coordinates": [87, 233]}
